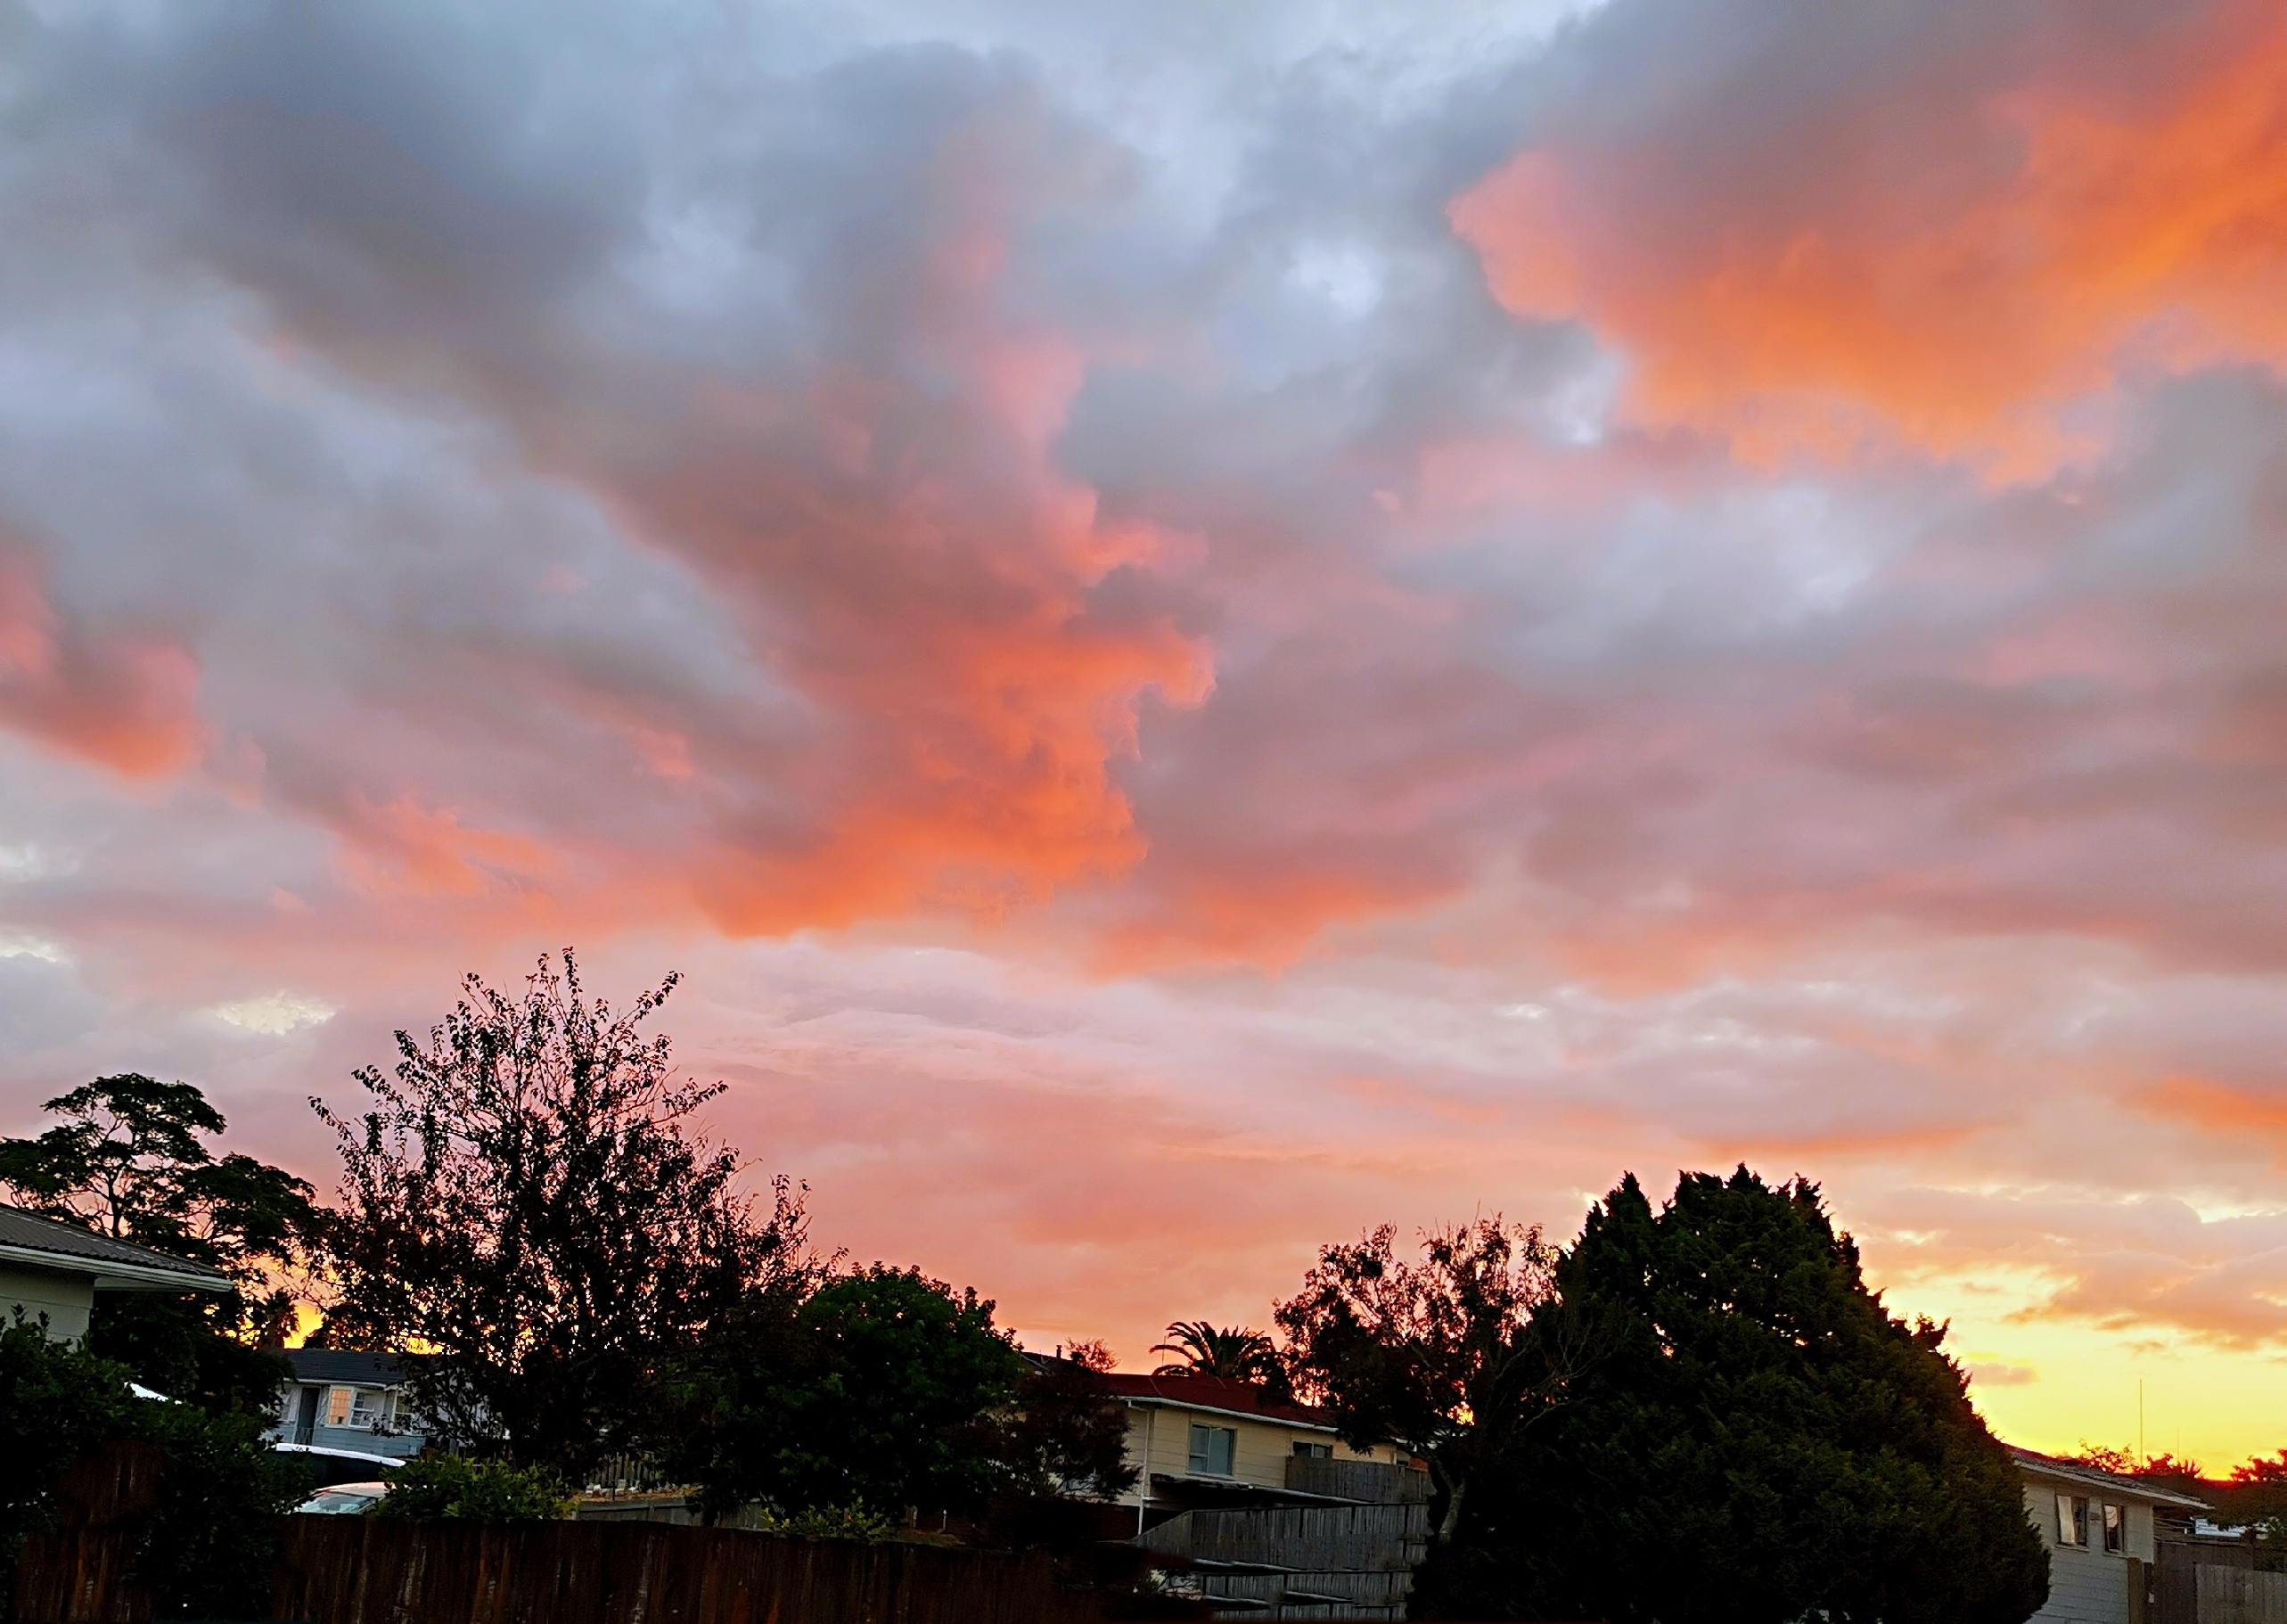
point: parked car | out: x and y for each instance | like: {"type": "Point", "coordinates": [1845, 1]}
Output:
{"type": "Point", "coordinates": [329, 1467]}
{"type": "Point", "coordinates": [344, 1500]}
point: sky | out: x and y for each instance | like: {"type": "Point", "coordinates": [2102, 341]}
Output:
{"type": "Point", "coordinates": [1198, 626]}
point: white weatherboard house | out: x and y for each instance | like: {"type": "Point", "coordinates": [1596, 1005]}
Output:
{"type": "Point", "coordinates": [2100, 1530]}
{"type": "Point", "coordinates": [350, 1404]}
{"type": "Point", "coordinates": [56, 1270]}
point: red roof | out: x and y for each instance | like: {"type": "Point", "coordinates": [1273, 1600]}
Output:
{"type": "Point", "coordinates": [1218, 1393]}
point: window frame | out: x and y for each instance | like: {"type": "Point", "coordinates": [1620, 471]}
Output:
{"type": "Point", "coordinates": [2114, 1524]}
{"type": "Point", "coordinates": [338, 1402]}
{"type": "Point", "coordinates": [1201, 1441]}
{"type": "Point", "coordinates": [369, 1406]}
{"type": "Point", "coordinates": [2072, 1522]}
{"type": "Point", "coordinates": [1307, 1450]}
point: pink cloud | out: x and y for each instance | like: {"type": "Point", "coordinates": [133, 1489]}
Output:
{"type": "Point", "coordinates": [124, 702]}
{"type": "Point", "coordinates": [2056, 228]}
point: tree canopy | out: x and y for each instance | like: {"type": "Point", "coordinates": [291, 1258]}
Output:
{"type": "Point", "coordinates": [875, 1389]}
{"type": "Point", "coordinates": [1444, 1356]}
{"type": "Point", "coordinates": [1762, 1440]}
{"type": "Point", "coordinates": [1233, 1352]}
{"type": "Point", "coordinates": [523, 1204]}
{"type": "Point", "coordinates": [129, 1160]}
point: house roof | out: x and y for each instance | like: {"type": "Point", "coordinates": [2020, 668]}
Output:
{"type": "Point", "coordinates": [26, 1238]}
{"type": "Point", "coordinates": [344, 1366]}
{"type": "Point", "coordinates": [1221, 1394]}
{"type": "Point", "coordinates": [2095, 1477]}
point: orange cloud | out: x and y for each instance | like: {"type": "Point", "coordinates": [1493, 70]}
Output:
{"type": "Point", "coordinates": [1962, 305]}
{"type": "Point", "coordinates": [401, 846]}
{"type": "Point", "coordinates": [126, 703]}
{"type": "Point", "coordinates": [2217, 1108]}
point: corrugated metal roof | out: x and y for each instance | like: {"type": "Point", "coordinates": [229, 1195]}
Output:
{"type": "Point", "coordinates": [339, 1365]}
{"type": "Point", "coordinates": [2096, 1476]}
{"type": "Point", "coordinates": [1217, 1393]}
{"type": "Point", "coordinates": [34, 1234]}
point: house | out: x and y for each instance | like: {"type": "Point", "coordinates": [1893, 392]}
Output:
{"type": "Point", "coordinates": [1261, 1511]}
{"type": "Point", "coordinates": [58, 1271]}
{"type": "Point", "coordinates": [350, 1404]}
{"type": "Point", "coordinates": [1210, 1440]}
{"type": "Point", "coordinates": [2101, 1530]}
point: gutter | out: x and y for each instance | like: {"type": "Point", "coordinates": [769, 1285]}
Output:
{"type": "Point", "coordinates": [112, 1274]}
{"type": "Point", "coordinates": [1208, 1409]}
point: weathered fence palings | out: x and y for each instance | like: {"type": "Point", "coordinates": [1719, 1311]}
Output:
{"type": "Point", "coordinates": [376, 1571]}
{"type": "Point", "coordinates": [384, 1571]}
{"type": "Point", "coordinates": [2235, 1595]}
{"type": "Point", "coordinates": [1323, 1538]}
{"type": "Point", "coordinates": [81, 1576]}
{"type": "Point", "coordinates": [1371, 1483]}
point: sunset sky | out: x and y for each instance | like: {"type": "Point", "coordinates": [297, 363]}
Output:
{"type": "Point", "coordinates": [1201, 625]}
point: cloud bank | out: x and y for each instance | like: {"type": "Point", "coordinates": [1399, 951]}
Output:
{"type": "Point", "coordinates": [1198, 635]}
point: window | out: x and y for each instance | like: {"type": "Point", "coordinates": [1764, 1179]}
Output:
{"type": "Point", "coordinates": [2072, 1520]}
{"type": "Point", "coordinates": [1314, 1452]}
{"type": "Point", "coordinates": [368, 1409]}
{"type": "Point", "coordinates": [2116, 1528]}
{"type": "Point", "coordinates": [1212, 1449]}
{"type": "Point", "coordinates": [337, 1407]}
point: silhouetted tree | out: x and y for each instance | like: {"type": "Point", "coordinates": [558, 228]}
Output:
{"type": "Point", "coordinates": [1443, 1357]}
{"type": "Point", "coordinates": [1061, 1442]}
{"type": "Point", "coordinates": [2183, 1474]}
{"type": "Point", "coordinates": [875, 1389]}
{"type": "Point", "coordinates": [1763, 1441]}
{"type": "Point", "coordinates": [523, 1206]}
{"type": "Point", "coordinates": [1234, 1353]}
{"type": "Point", "coordinates": [129, 1161]}
{"type": "Point", "coordinates": [2258, 1498]}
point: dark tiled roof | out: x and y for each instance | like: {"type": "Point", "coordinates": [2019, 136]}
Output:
{"type": "Point", "coordinates": [339, 1365]}
{"type": "Point", "coordinates": [1217, 1393]}
{"type": "Point", "coordinates": [21, 1228]}
{"type": "Point", "coordinates": [2096, 1476]}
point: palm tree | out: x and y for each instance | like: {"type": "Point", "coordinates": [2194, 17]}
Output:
{"type": "Point", "coordinates": [1235, 1352]}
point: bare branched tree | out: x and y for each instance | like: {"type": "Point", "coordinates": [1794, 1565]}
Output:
{"type": "Point", "coordinates": [523, 1208]}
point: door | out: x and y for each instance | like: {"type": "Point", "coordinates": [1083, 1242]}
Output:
{"type": "Point", "coordinates": [306, 1422]}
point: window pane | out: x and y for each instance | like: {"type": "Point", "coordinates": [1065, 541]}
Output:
{"type": "Point", "coordinates": [337, 1407]}
{"type": "Point", "coordinates": [1221, 1448]}
{"type": "Point", "coordinates": [2114, 1532]}
{"type": "Point", "coordinates": [1198, 1462]}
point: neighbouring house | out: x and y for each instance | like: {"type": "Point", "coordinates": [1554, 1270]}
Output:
{"type": "Point", "coordinates": [2101, 1531]}
{"type": "Point", "coordinates": [1261, 1509]}
{"type": "Point", "coordinates": [58, 1270]}
{"type": "Point", "coordinates": [1208, 1440]}
{"type": "Point", "coordinates": [349, 1404]}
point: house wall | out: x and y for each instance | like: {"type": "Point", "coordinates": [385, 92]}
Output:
{"type": "Point", "coordinates": [2088, 1585]}
{"type": "Point", "coordinates": [66, 1299]}
{"type": "Point", "coordinates": [363, 1440]}
{"type": "Point", "coordinates": [1259, 1457]}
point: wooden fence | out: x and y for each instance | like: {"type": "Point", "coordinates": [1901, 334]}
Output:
{"type": "Point", "coordinates": [1383, 1538]}
{"type": "Point", "coordinates": [381, 1570]}
{"type": "Point", "coordinates": [1369, 1482]}
{"type": "Point", "coordinates": [83, 1570]}
{"type": "Point", "coordinates": [2235, 1595]}
{"type": "Point", "coordinates": [385, 1571]}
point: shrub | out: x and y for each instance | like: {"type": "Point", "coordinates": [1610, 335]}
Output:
{"type": "Point", "coordinates": [478, 1491]}
{"type": "Point", "coordinates": [210, 1542]}
{"type": "Point", "coordinates": [850, 1521]}
{"type": "Point", "coordinates": [213, 1541]}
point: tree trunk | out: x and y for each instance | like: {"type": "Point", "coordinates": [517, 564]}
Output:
{"type": "Point", "coordinates": [1452, 1519]}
